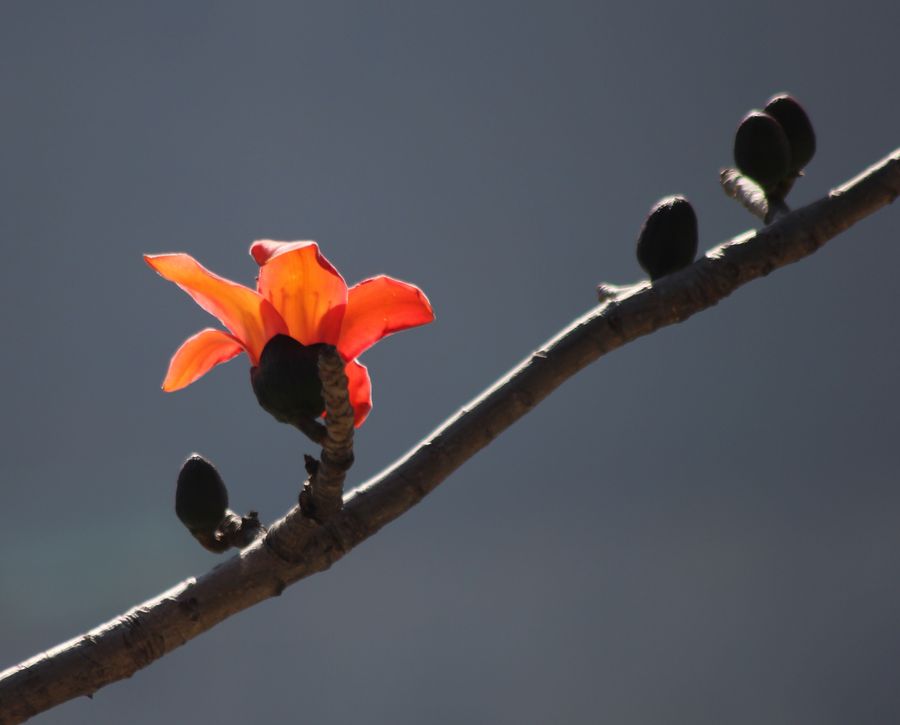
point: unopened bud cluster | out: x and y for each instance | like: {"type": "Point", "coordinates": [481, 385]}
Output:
{"type": "Point", "coordinates": [771, 149]}
{"type": "Point", "coordinates": [774, 145]}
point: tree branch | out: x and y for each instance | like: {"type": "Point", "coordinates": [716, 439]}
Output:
{"type": "Point", "coordinates": [748, 193]}
{"type": "Point", "coordinates": [322, 495]}
{"type": "Point", "coordinates": [122, 646]}
{"type": "Point", "coordinates": [327, 480]}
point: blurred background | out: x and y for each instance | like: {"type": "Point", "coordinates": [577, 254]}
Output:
{"type": "Point", "coordinates": [700, 528]}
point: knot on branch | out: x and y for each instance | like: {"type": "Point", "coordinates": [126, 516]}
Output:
{"type": "Point", "coordinates": [239, 531]}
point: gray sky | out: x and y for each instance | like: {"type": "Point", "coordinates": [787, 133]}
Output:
{"type": "Point", "coordinates": [700, 528]}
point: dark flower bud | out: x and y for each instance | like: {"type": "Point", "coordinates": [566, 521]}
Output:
{"type": "Point", "coordinates": [761, 150]}
{"type": "Point", "coordinates": [286, 381]}
{"type": "Point", "coordinates": [797, 127]}
{"type": "Point", "coordinates": [201, 499]}
{"type": "Point", "coordinates": [668, 239]}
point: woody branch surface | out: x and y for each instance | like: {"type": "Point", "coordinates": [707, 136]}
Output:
{"type": "Point", "coordinates": [327, 480]}
{"type": "Point", "coordinates": [322, 496]}
{"type": "Point", "coordinates": [118, 648]}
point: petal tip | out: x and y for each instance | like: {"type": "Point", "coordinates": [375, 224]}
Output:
{"type": "Point", "coordinates": [170, 386]}
{"type": "Point", "coordinates": [265, 250]}
{"type": "Point", "coordinates": [198, 355]}
{"type": "Point", "coordinates": [426, 304]}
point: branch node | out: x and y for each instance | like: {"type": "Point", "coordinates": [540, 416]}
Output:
{"type": "Point", "coordinates": [239, 531]}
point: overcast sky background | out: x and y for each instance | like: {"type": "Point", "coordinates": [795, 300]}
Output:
{"type": "Point", "coordinates": [700, 528]}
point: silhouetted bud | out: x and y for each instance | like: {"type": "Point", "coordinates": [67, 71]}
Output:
{"type": "Point", "coordinates": [797, 127]}
{"type": "Point", "coordinates": [761, 150]}
{"type": "Point", "coordinates": [668, 239]}
{"type": "Point", "coordinates": [286, 381]}
{"type": "Point", "coordinates": [201, 499]}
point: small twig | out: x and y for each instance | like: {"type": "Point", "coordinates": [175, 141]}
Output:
{"type": "Point", "coordinates": [322, 496]}
{"type": "Point", "coordinates": [746, 191]}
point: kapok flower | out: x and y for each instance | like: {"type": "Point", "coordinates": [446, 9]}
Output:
{"type": "Point", "coordinates": [298, 294]}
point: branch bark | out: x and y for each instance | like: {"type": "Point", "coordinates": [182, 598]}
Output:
{"type": "Point", "coordinates": [326, 482]}
{"type": "Point", "coordinates": [117, 649]}
{"type": "Point", "coordinates": [748, 193]}
{"type": "Point", "coordinates": [322, 495]}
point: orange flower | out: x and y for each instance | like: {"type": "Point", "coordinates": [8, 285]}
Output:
{"type": "Point", "coordinates": [299, 294]}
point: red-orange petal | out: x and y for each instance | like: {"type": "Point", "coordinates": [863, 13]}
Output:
{"type": "Point", "coordinates": [304, 287]}
{"type": "Point", "coordinates": [248, 315]}
{"type": "Point", "coordinates": [378, 307]}
{"type": "Point", "coordinates": [198, 355]}
{"type": "Point", "coordinates": [359, 386]}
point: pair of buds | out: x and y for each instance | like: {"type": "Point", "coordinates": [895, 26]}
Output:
{"type": "Point", "coordinates": [774, 145]}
